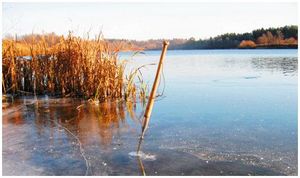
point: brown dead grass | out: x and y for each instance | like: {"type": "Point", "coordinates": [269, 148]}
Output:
{"type": "Point", "coordinates": [72, 67]}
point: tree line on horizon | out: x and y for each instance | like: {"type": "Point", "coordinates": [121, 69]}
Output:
{"type": "Point", "coordinates": [268, 38]}
{"type": "Point", "coordinates": [281, 37]}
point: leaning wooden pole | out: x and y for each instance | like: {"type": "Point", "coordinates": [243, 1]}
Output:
{"type": "Point", "coordinates": [154, 88]}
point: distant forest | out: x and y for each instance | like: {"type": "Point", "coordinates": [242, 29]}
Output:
{"type": "Point", "coordinates": [282, 37]}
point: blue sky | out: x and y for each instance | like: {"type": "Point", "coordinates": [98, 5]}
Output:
{"type": "Point", "coordinates": [146, 20]}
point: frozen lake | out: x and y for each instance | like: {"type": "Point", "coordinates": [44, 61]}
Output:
{"type": "Point", "coordinates": [223, 112]}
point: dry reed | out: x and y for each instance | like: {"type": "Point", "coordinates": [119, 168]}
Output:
{"type": "Point", "coordinates": [73, 66]}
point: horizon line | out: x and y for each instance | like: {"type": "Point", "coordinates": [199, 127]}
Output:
{"type": "Point", "coordinates": [129, 39]}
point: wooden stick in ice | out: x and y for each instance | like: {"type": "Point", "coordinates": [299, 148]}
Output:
{"type": "Point", "coordinates": [153, 91]}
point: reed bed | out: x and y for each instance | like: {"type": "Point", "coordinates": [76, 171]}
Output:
{"type": "Point", "coordinates": [70, 67]}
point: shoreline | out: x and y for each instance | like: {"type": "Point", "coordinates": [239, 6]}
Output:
{"type": "Point", "coordinates": [214, 49]}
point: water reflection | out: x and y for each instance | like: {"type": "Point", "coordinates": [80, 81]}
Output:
{"type": "Point", "coordinates": [105, 120]}
{"type": "Point", "coordinates": [141, 165]}
{"type": "Point", "coordinates": [139, 158]}
{"type": "Point", "coordinates": [288, 66]}
{"type": "Point", "coordinates": [68, 124]}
